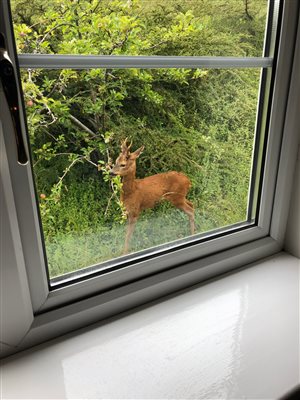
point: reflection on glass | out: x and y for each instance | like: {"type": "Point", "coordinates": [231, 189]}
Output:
{"type": "Point", "coordinates": [198, 123]}
{"type": "Point", "coordinates": [141, 27]}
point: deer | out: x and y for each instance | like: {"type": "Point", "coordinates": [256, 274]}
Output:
{"type": "Point", "coordinates": [140, 194]}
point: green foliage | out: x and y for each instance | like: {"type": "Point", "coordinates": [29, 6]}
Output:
{"type": "Point", "coordinates": [200, 122]}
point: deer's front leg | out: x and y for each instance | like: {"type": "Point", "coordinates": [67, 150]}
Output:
{"type": "Point", "coordinates": [130, 228]}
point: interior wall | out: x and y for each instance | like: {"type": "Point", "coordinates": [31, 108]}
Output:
{"type": "Point", "coordinates": [292, 238]}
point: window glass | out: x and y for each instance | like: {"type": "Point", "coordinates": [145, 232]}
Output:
{"type": "Point", "coordinates": [141, 27]}
{"type": "Point", "coordinates": [196, 122]}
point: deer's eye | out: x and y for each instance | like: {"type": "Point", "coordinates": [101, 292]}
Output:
{"type": "Point", "coordinates": [123, 165]}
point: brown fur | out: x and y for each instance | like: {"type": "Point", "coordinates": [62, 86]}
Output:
{"type": "Point", "coordinates": [140, 194]}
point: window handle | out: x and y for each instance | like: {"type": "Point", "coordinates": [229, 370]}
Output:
{"type": "Point", "coordinates": [9, 83]}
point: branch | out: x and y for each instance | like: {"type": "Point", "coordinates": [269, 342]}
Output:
{"type": "Point", "coordinates": [93, 123]}
{"type": "Point", "coordinates": [51, 114]}
{"type": "Point", "coordinates": [69, 154]}
{"type": "Point", "coordinates": [81, 125]}
{"type": "Point", "coordinates": [121, 43]}
{"type": "Point", "coordinates": [53, 29]}
{"type": "Point", "coordinates": [91, 162]}
{"type": "Point", "coordinates": [157, 44]}
{"type": "Point", "coordinates": [68, 169]}
{"type": "Point", "coordinates": [76, 160]}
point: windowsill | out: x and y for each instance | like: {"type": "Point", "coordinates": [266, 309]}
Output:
{"type": "Point", "coordinates": [236, 337]}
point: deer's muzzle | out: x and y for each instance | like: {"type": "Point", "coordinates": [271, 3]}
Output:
{"type": "Point", "coordinates": [112, 173]}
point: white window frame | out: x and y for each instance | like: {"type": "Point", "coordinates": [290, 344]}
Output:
{"type": "Point", "coordinates": [39, 313]}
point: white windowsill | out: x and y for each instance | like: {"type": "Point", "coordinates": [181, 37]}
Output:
{"type": "Point", "coordinates": [236, 337]}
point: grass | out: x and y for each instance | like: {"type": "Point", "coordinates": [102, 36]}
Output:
{"type": "Point", "coordinates": [71, 251]}
{"type": "Point", "coordinates": [68, 252]}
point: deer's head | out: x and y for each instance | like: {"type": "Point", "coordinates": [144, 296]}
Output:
{"type": "Point", "coordinates": [125, 163]}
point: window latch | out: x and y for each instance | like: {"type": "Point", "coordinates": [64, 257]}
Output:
{"type": "Point", "coordinates": [9, 83]}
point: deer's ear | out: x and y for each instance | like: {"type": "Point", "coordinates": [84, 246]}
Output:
{"type": "Point", "coordinates": [137, 153]}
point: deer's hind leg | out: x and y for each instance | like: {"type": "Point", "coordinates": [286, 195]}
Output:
{"type": "Point", "coordinates": [189, 203]}
{"type": "Point", "coordinates": [187, 207]}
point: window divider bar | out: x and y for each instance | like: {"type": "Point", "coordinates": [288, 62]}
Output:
{"type": "Point", "coordinates": [58, 61]}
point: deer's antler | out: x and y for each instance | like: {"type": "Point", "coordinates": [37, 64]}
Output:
{"type": "Point", "coordinates": [124, 147]}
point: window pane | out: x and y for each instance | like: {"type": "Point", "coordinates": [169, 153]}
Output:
{"type": "Point", "coordinates": [141, 27]}
{"type": "Point", "coordinates": [200, 123]}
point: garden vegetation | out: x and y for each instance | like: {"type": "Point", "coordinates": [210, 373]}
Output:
{"type": "Point", "coordinates": [197, 121]}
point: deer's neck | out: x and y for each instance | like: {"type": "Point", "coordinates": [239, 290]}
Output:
{"type": "Point", "coordinates": [128, 184]}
